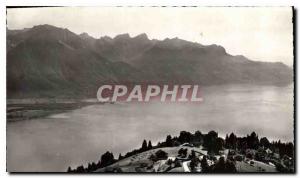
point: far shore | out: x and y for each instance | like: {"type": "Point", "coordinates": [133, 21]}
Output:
{"type": "Point", "coordinates": [25, 109]}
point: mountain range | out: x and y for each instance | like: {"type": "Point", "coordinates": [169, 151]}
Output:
{"type": "Point", "coordinates": [47, 61]}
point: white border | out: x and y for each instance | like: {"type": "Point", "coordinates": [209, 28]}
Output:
{"type": "Point", "coordinates": [152, 2]}
{"type": "Point", "coordinates": [109, 3]}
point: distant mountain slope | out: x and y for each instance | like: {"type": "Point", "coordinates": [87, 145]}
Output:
{"type": "Point", "coordinates": [46, 61]}
{"type": "Point", "coordinates": [208, 65]}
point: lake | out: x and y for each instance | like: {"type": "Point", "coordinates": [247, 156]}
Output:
{"type": "Point", "coordinates": [83, 135]}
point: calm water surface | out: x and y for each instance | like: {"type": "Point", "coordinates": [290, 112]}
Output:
{"type": "Point", "coordinates": [80, 136]}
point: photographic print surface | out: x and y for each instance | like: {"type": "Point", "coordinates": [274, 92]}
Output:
{"type": "Point", "coordinates": [150, 89]}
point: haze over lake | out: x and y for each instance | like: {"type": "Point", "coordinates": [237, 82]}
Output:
{"type": "Point", "coordinates": [81, 136]}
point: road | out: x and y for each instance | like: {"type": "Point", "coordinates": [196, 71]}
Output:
{"type": "Point", "coordinates": [185, 166]}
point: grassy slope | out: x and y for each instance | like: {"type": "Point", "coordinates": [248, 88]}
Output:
{"type": "Point", "coordinates": [131, 163]}
{"type": "Point", "coordinates": [135, 162]}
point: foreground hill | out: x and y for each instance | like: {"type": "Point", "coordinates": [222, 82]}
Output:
{"type": "Point", "coordinates": [173, 163]}
{"type": "Point", "coordinates": [46, 61]}
{"type": "Point", "coordinates": [198, 152]}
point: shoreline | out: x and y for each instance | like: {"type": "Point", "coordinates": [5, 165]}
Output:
{"type": "Point", "coordinates": [37, 110]}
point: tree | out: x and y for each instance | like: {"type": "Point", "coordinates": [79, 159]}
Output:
{"type": "Point", "coordinates": [281, 168]}
{"type": "Point", "coordinates": [260, 154]}
{"type": "Point", "coordinates": [149, 145]}
{"type": "Point", "coordinates": [219, 145]}
{"type": "Point", "coordinates": [182, 152]}
{"type": "Point", "coordinates": [194, 162]}
{"type": "Point", "coordinates": [184, 137]}
{"type": "Point", "coordinates": [220, 165]}
{"type": "Point", "coordinates": [79, 169]}
{"type": "Point", "coordinates": [198, 138]}
{"type": "Point", "coordinates": [120, 157]}
{"type": "Point", "coordinates": [211, 143]}
{"type": "Point", "coordinates": [204, 165]}
{"type": "Point", "coordinates": [144, 146]}
{"type": "Point", "coordinates": [177, 163]}
{"type": "Point", "coordinates": [231, 141]}
{"type": "Point", "coordinates": [69, 169]}
{"type": "Point", "coordinates": [94, 166]}
{"type": "Point", "coordinates": [192, 155]}
{"type": "Point", "coordinates": [230, 167]}
{"type": "Point", "coordinates": [264, 142]}
{"type": "Point", "coordinates": [160, 154]}
{"type": "Point", "coordinates": [224, 167]}
{"type": "Point", "coordinates": [89, 167]}
{"type": "Point", "coordinates": [252, 141]}
{"type": "Point", "coordinates": [227, 145]}
{"type": "Point", "coordinates": [153, 158]}
{"type": "Point", "coordinates": [107, 159]}
{"type": "Point", "coordinates": [169, 142]}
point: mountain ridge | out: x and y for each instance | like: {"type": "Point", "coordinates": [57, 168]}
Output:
{"type": "Point", "coordinates": [48, 61]}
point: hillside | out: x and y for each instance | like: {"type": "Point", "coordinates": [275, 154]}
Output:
{"type": "Point", "coordinates": [198, 152]}
{"type": "Point", "coordinates": [46, 61]}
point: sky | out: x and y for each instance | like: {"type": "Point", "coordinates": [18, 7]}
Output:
{"type": "Point", "coordinates": [259, 33]}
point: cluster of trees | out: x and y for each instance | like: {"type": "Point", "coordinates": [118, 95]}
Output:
{"type": "Point", "coordinates": [210, 141]}
{"type": "Point", "coordinates": [159, 155]}
{"type": "Point", "coordinates": [284, 161]}
{"type": "Point", "coordinates": [283, 148]}
{"type": "Point", "coordinates": [182, 152]}
{"type": "Point", "coordinates": [252, 141]}
{"type": "Point", "coordinates": [221, 165]}
{"type": "Point", "coordinates": [213, 143]}
{"type": "Point", "coordinates": [249, 142]}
